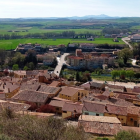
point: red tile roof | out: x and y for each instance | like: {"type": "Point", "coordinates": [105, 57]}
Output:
{"type": "Point", "coordinates": [118, 110]}
{"type": "Point", "coordinates": [100, 125]}
{"type": "Point", "coordinates": [69, 91]}
{"type": "Point", "coordinates": [75, 57]}
{"type": "Point", "coordinates": [57, 103]}
{"type": "Point", "coordinates": [91, 106]}
{"type": "Point", "coordinates": [133, 110]}
{"type": "Point", "coordinates": [72, 107]}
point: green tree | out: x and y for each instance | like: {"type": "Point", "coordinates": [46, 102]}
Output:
{"type": "Point", "coordinates": [77, 76]}
{"type": "Point", "coordinates": [31, 57]}
{"type": "Point", "coordinates": [125, 54]}
{"type": "Point", "coordinates": [127, 135]}
{"type": "Point", "coordinates": [130, 74]}
{"type": "Point", "coordinates": [31, 66]}
{"type": "Point", "coordinates": [114, 74]}
{"type": "Point", "coordinates": [25, 68]}
{"type": "Point", "coordinates": [122, 74]}
{"type": "Point", "coordinates": [15, 67]}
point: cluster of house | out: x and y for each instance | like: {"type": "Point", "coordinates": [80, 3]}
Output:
{"type": "Point", "coordinates": [135, 38]}
{"type": "Point", "coordinates": [29, 46]}
{"type": "Point", "coordinates": [89, 60]}
{"type": "Point", "coordinates": [116, 35]}
{"type": "Point", "coordinates": [47, 59]}
{"type": "Point", "coordinates": [100, 108]}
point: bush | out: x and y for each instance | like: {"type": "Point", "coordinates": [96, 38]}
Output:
{"type": "Point", "coordinates": [4, 137]}
{"type": "Point", "coordinates": [32, 128]}
{"type": "Point", "coordinates": [127, 135]}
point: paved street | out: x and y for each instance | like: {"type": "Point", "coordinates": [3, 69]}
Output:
{"type": "Point", "coordinates": [125, 40]}
{"type": "Point", "coordinates": [61, 62]}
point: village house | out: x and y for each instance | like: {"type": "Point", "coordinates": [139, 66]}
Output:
{"type": "Point", "coordinates": [32, 74]}
{"type": "Point", "coordinates": [9, 88]}
{"type": "Point", "coordinates": [95, 85]}
{"type": "Point", "coordinates": [30, 96]}
{"type": "Point", "coordinates": [71, 45]}
{"type": "Point", "coordinates": [14, 106]}
{"type": "Point", "coordinates": [75, 62]}
{"type": "Point", "coordinates": [87, 46]}
{"type": "Point", "coordinates": [93, 108]}
{"type": "Point", "coordinates": [71, 110]}
{"type": "Point", "coordinates": [100, 125]}
{"type": "Point", "coordinates": [20, 74]}
{"type": "Point", "coordinates": [133, 116]}
{"type": "Point", "coordinates": [135, 38]}
{"type": "Point", "coordinates": [48, 62]}
{"type": "Point", "coordinates": [90, 38]}
{"type": "Point", "coordinates": [48, 78]}
{"type": "Point", "coordinates": [30, 86]}
{"type": "Point", "coordinates": [114, 88]}
{"type": "Point", "coordinates": [73, 94]}
{"type": "Point", "coordinates": [52, 91]}
{"type": "Point", "coordinates": [58, 103]}
{"type": "Point", "coordinates": [119, 112]}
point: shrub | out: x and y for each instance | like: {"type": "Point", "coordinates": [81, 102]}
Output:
{"type": "Point", "coordinates": [127, 135]}
{"type": "Point", "coordinates": [32, 128]}
{"type": "Point", "coordinates": [4, 137]}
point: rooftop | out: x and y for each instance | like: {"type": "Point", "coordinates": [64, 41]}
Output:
{"type": "Point", "coordinates": [102, 119]}
{"type": "Point", "coordinates": [69, 91]}
{"type": "Point", "coordinates": [72, 107]}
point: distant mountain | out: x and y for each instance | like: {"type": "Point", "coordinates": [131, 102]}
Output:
{"type": "Point", "coordinates": [102, 16]}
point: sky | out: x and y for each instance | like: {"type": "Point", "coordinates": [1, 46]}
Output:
{"type": "Point", "coordinates": [68, 8]}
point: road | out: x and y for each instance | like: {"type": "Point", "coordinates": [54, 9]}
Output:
{"type": "Point", "coordinates": [61, 62]}
{"type": "Point", "coordinates": [125, 40]}
{"type": "Point", "coordinates": [127, 85]}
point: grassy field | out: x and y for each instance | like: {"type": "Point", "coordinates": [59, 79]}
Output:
{"type": "Point", "coordinates": [102, 78]}
{"type": "Point", "coordinates": [12, 44]}
{"type": "Point", "coordinates": [5, 28]}
{"type": "Point", "coordinates": [136, 27]}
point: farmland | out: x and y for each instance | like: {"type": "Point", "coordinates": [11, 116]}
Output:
{"type": "Point", "coordinates": [12, 44]}
{"type": "Point", "coordinates": [34, 31]}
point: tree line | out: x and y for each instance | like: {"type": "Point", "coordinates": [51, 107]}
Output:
{"type": "Point", "coordinates": [64, 34]}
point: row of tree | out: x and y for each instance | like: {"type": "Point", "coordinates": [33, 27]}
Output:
{"type": "Point", "coordinates": [122, 74]}
{"type": "Point", "coordinates": [64, 34]}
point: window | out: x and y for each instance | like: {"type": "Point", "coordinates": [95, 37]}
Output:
{"type": "Point", "coordinates": [78, 94]}
{"type": "Point", "coordinates": [97, 114]}
{"type": "Point", "coordinates": [86, 113]}
{"type": "Point", "coordinates": [131, 120]}
{"type": "Point", "coordinates": [57, 108]}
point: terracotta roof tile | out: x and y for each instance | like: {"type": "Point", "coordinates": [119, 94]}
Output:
{"type": "Point", "coordinates": [72, 107]}
{"type": "Point", "coordinates": [13, 106]}
{"type": "Point", "coordinates": [91, 106]}
{"type": "Point", "coordinates": [57, 103]}
{"type": "Point", "coordinates": [118, 110]}
{"type": "Point", "coordinates": [69, 91]}
{"type": "Point", "coordinates": [31, 96]}
{"type": "Point", "coordinates": [49, 89]}
{"type": "Point", "coordinates": [100, 125]}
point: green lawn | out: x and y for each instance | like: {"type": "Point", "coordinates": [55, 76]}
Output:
{"type": "Point", "coordinates": [136, 27]}
{"type": "Point", "coordinates": [12, 44]}
{"type": "Point", "coordinates": [102, 78]}
{"type": "Point", "coordinates": [4, 30]}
